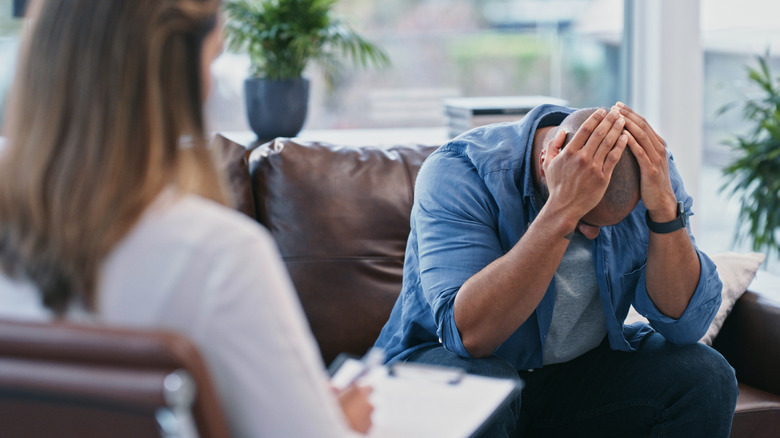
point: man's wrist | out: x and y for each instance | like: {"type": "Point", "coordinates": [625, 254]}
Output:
{"type": "Point", "coordinates": [680, 221]}
{"type": "Point", "coordinates": [666, 213]}
{"type": "Point", "coordinates": [562, 222]}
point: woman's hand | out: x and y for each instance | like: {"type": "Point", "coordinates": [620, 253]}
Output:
{"type": "Point", "coordinates": [355, 404]}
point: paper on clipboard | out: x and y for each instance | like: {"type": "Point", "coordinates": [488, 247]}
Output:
{"type": "Point", "coordinates": [414, 400]}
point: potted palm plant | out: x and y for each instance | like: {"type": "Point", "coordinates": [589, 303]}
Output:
{"type": "Point", "coordinates": [282, 37]}
{"type": "Point", "coordinates": [754, 175]}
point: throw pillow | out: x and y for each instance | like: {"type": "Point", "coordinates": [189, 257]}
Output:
{"type": "Point", "coordinates": [736, 271]}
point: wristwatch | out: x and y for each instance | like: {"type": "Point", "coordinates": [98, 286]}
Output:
{"type": "Point", "coordinates": [671, 226]}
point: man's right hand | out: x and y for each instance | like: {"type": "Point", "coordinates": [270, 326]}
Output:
{"type": "Point", "coordinates": [578, 175]}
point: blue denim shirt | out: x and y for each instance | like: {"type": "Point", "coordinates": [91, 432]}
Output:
{"type": "Point", "coordinates": [474, 199]}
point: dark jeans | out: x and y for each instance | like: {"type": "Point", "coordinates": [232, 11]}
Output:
{"type": "Point", "coordinates": [661, 390]}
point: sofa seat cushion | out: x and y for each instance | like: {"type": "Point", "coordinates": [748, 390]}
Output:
{"type": "Point", "coordinates": [757, 414]}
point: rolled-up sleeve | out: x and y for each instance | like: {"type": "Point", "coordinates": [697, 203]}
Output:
{"type": "Point", "coordinates": [696, 319]}
{"type": "Point", "coordinates": [455, 219]}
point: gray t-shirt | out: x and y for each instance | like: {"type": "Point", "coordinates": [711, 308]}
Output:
{"type": "Point", "coordinates": [578, 323]}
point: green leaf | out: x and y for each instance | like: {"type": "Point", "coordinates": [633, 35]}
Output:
{"type": "Point", "coordinates": [754, 175]}
{"type": "Point", "coordinates": [283, 36]}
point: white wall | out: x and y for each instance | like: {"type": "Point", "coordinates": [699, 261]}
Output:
{"type": "Point", "coordinates": [666, 79]}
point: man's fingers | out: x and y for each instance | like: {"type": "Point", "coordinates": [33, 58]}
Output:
{"type": "Point", "coordinates": [638, 150]}
{"type": "Point", "coordinates": [643, 138]}
{"type": "Point", "coordinates": [609, 140]}
{"type": "Point", "coordinates": [586, 129]}
{"type": "Point", "coordinates": [557, 141]}
{"type": "Point", "coordinates": [614, 155]}
{"type": "Point", "coordinates": [603, 129]}
{"type": "Point", "coordinates": [639, 120]}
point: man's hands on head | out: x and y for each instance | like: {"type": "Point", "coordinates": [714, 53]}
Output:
{"type": "Point", "coordinates": [650, 152]}
{"type": "Point", "coordinates": [494, 302]}
{"type": "Point", "coordinates": [578, 175]}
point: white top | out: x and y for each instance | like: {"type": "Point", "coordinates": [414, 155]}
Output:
{"type": "Point", "coordinates": [216, 276]}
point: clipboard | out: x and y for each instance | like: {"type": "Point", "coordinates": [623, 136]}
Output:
{"type": "Point", "coordinates": [418, 400]}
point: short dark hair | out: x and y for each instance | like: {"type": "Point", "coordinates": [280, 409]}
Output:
{"type": "Point", "coordinates": [623, 189]}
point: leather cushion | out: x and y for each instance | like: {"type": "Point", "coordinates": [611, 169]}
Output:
{"type": "Point", "coordinates": [749, 340]}
{"type": "Point", "coordinates": [232, 160]}
{"type": "Point", "coordinates": [340, 216]}
{"type": "Point", "coordinates": [757, 414]}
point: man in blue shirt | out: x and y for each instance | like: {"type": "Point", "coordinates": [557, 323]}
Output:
{"type": "Point", "coordinates": [524, 257]}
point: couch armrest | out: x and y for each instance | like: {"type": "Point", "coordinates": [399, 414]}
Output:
{"type": "Point", "coordinates": [750, 337]}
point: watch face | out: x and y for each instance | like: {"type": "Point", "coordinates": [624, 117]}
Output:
{"type": "Point", "coordinates": [681, 213]}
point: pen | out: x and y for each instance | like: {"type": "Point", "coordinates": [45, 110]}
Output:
{"type": "Point", "coordinates": [372, 359]}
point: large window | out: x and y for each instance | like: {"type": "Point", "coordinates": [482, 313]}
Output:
{"type": "Point", "coordinates": [455, 48]}
{"type": "Point", "coordinates": [448, 48]}
{"type": "Point", "coordinates": [733, 34]}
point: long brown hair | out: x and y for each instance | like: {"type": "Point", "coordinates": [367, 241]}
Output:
{"type": "Point", "coordinates": [104, 94]}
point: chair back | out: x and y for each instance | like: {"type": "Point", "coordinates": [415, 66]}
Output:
{"type": "Point", "coordinates": [70, 380]}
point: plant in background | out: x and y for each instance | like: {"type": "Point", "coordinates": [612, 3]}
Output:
{"type": "Point", "coordinates": [754, 175]}
{"type": "Point", "coordinates": [282, 36]}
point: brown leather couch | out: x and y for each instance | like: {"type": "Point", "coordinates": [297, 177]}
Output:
{"type": "Point", "coordinates": [340, 215]}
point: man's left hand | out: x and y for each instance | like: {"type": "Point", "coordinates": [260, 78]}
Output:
{"type": "Point", "coordinates": [650, 152]}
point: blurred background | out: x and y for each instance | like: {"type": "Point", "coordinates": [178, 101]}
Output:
{"type": "Point", "coordinates": [676, 62]}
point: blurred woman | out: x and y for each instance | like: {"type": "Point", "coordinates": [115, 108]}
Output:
{"type": "Point", "coordinates": [112, 210]}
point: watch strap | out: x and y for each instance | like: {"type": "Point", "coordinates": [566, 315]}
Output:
{"type": "Point", "coordinates": [668, 227]}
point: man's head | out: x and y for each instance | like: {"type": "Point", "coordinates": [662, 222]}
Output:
{"type": "Point", "coordinates": [622, 193]}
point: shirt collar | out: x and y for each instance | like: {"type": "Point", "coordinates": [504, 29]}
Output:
{"type": "Point", "coordinates": [547, 116]}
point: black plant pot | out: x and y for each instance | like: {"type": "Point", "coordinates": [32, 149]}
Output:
{"type": "Point", "coordinates": [276, 108]}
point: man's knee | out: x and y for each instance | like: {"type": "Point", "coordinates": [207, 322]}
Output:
{"type": "Point", "coordinates": [707, 373]}
{"type": "Point", "coordinates": [721, 374]}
